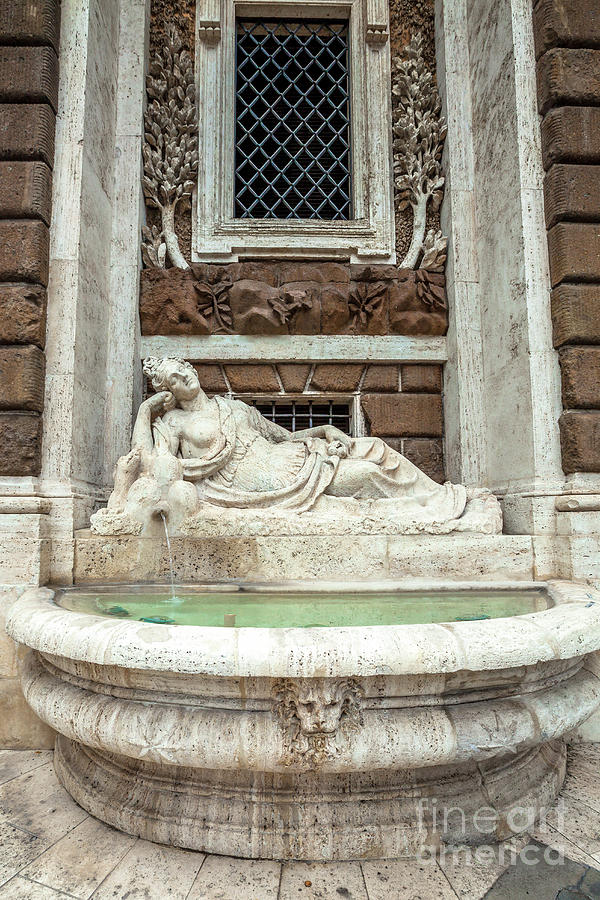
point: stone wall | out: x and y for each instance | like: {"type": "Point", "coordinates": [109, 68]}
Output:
{"type": "Point", "coordinates": [28, 99]}
{"type": "Point", "coordinates": [567, 37]}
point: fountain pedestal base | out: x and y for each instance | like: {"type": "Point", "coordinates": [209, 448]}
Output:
{"type": "Point", "coordinates": [366, 815]}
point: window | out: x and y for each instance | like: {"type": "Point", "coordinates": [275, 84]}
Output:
{"type": "Point", "coordinates": [294, 131]}
{"type": "Point", "coordinates": [301, 413]}
{"type": "Point", "coordinates": [292, 141]}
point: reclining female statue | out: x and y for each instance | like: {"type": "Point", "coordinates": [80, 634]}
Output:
{"type": "Point", "coordinates": [189, 450]}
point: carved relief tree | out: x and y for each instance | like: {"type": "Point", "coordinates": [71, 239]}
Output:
{"type": "Point", "coordinates": [418, 132]}
{"type": "Point", "coordinates": [170, 149]}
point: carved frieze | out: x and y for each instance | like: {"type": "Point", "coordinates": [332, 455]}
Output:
{"type": "Point", "coordinates": [283, 298]}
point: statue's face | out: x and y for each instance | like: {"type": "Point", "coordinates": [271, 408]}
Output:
{"type": "Point", "coordinates": [183, 382]}
{"type": "Point", "coordinates": [319, 710]}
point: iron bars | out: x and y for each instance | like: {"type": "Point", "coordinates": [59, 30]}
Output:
{"type": "Point", "coordinates": [292, 120]}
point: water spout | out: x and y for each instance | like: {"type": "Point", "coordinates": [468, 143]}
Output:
{"type": "Point", "coordinates": [172, 573]}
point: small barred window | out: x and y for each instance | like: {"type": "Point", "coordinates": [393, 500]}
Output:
{"type": "Point", "coordinates": [292, 136]}
{"type": "Point", "coordinates": [296, 415]}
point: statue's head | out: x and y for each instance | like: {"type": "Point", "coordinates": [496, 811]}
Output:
{"type": "Point", "coordinates": [174, 375]}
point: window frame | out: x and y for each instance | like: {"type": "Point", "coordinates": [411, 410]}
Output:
{"type": "Point", "coordinates": [370, 235]}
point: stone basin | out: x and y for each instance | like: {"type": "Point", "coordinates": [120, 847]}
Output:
{"type": "Point", "coordinates": [316, 742]}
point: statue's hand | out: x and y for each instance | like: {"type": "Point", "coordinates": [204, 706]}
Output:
{"type": "Point", "coordinates": [336, 448]}
{"type": "Point", "coordinates": [333, 435]}
{"type": "Point", "coordinates": [163, 401]}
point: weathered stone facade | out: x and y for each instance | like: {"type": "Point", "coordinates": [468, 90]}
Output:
{"type": "Point", "coordinates": [28, 101]}
{"type": "Point", "coordinates": [567, 37]}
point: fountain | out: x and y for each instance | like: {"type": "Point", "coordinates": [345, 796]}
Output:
{"type": "Point", "coordinates": [320, 718]}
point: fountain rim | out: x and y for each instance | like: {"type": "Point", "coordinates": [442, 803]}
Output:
{"type": "Point", "coordinates": [569, 628]}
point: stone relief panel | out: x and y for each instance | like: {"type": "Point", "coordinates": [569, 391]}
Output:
{"type": "Point", "coordinates": [419, 132]}
{"type": "Point", "coordinates": [293, 298]}
{"type": "Point", "coordinates": [170, 148]}
{"type": "Point", "coordinates": [317, 717]}
{"type": "Point", "coordinates": [183, 298]}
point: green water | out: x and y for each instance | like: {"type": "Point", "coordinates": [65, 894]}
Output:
{"type": "Point", "coordinates": [266, 609]}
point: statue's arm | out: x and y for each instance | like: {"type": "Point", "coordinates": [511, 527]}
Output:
{"type": "Point", "coordinates": [328, 433]}
{"type": "Point", "coordinates": [142, 438]}
{"type": "Point", "coordinates": [269, 430]}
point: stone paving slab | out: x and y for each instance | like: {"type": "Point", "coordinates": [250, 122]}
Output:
{"type": "Point", "coordinates": [17, 762]}
{"type": "Point", "coordinates": [50, 849]}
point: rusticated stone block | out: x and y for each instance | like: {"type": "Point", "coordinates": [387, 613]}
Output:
{"type": "Point", "coordinates": [421, 379]}
{"type": "Point", "coordinates": [322, 272]}
{"type": "Point", "coordinates": [22, 378]}
{"type": "Point", "coordinates": [29, 75]}
{"type": "Point", "coordinates": [27, 131]}
{"type": "Point", "coordinates": [563, 23]}
{"type": "Point", "coordinates": [20, 443]}
{"type": "Point", "coordinates": [30, 22]}
{"type": "Point", "coordinates": [256, 271]}
{"type": "Point", "coordinates": [357, 308]}
{"type": "Point", "coordinates": [293, 377]}
{"type": "Point", "coordinates": [571, 134]}
{"type": "Point", "coordinates": [576, 314]}
{"type": "Point", "coordinates": [24, 246]}
{"type": "Point", "coordinates": [215, 273]}
{"type": "Point", "coordinates": [25, 190]}
{"type": "Point", "coordinates": [251, 379]}
{"type": "Point", "coordinates": [570, 77]}
{"type": "Point", "coordinates": [22, 314]}
{"type": "Point", "coordinates": [302, 302]}
{"type": "Point", "coordinates": [381, 378]}
{"type": "Point", "coordinates": [580, 440]}
{"type": "Point", "coordinates": [572, 194]}
{"type": "Point", "coordinates": [169, 303]}
{"type": "Point", "coordinates": [337, 377]}
{"type": "Point", "coordinates": [580, 369]}
{"type": "Point", "coordinates": [254, 307]}
{"type": "Point", "coordinates": [427, 454]}
{"type": "Point", "coordinates": [335, 314]}
{"type": "Point", "coordinates": [372, 272]}
{"type": "Point", "coordinates": [211, 378]}
{"type": "Point", "coordinates": [418, 303]}
{"type": "Point", "coordinates": [404, 415]}
{"type": "Point", "coordinates": [574, 252]}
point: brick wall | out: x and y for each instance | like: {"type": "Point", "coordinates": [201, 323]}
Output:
{"type": "Point", "coordinates": [567, 36]}
{"type": "Point", "coordinates": [28, 98]}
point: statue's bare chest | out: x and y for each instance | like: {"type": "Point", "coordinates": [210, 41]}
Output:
{"type": "Point", "coordinates": [197, 432]}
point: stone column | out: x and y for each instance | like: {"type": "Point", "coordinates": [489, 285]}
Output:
{"type": "Point", "coordinates": [124, 372]}
{"type": "Point", "coordinates": [94, 261]}
{"type": "Point", "coordinates": [507, 379]}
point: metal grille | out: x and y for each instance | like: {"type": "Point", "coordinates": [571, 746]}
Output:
{"type": "Point", "coordinates": [295, 415]}
{"type": "Point", "coordinates": [292, 120]}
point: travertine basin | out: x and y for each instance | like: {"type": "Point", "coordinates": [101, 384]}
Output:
{"type": "Point", "coordinates": [315, 742]}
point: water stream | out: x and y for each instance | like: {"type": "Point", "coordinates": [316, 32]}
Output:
{"type": "Point", "coordinates": [171, 570]}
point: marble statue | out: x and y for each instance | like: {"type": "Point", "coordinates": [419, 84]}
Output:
{"type": "Point", "coordinates": [204, 462]}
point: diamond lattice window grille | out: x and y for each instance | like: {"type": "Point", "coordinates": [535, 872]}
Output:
{"type": "Point", "coordinates": [292, 120]}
